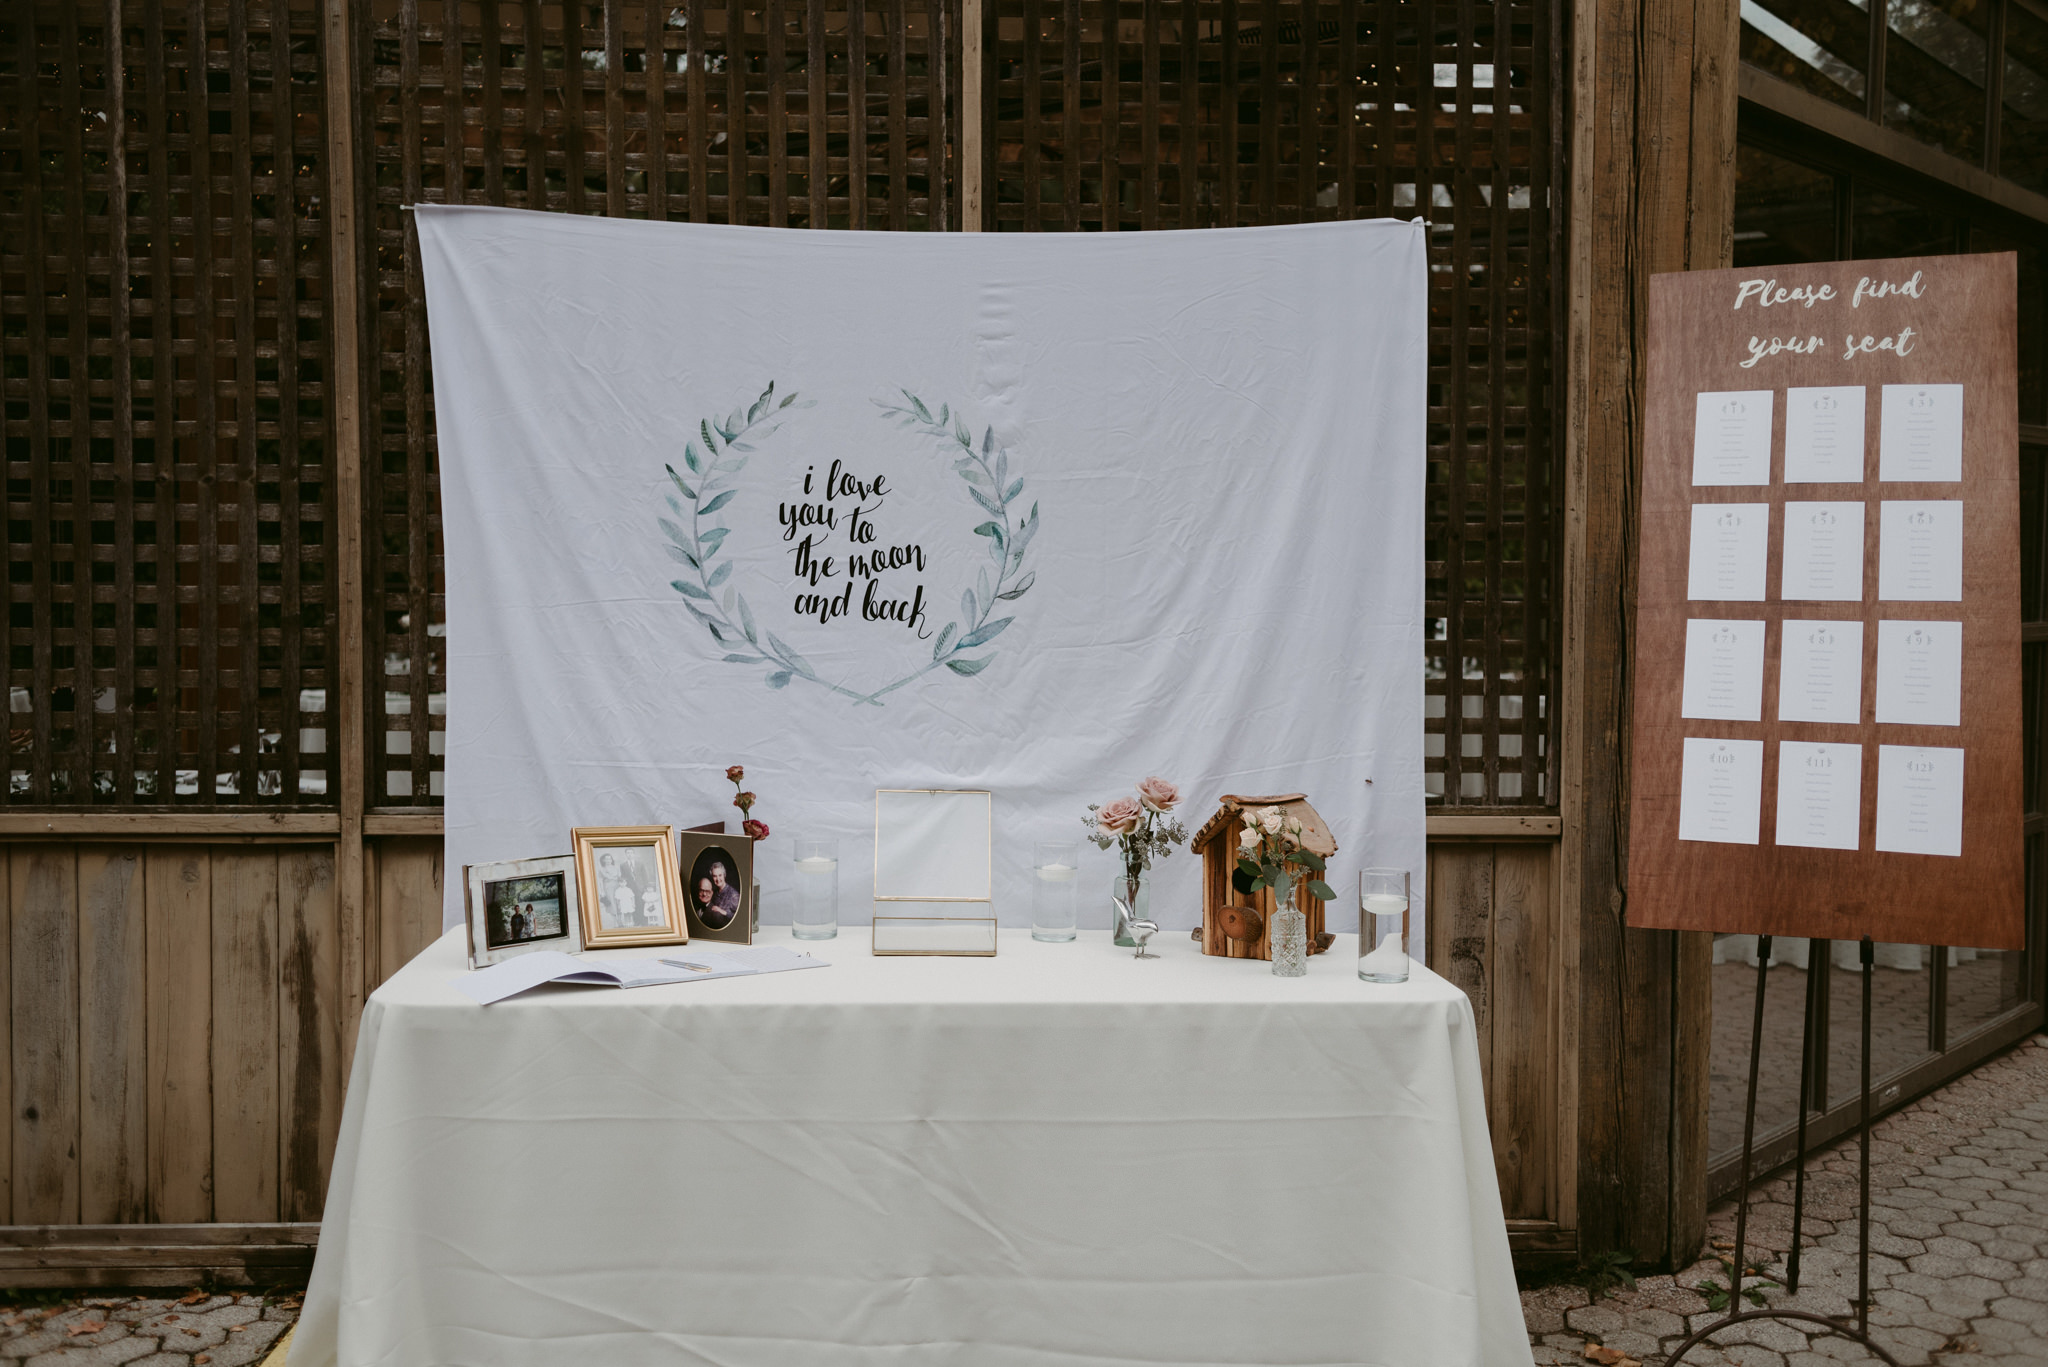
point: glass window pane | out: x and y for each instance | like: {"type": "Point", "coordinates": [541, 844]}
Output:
{"type": "Point", "coordinates": [1784, 212]}
{"type": "Point", "coordinates": [2023, 125]}
{"type": "Point", "coordinates": [1821, 46]}
{"type": "Point", "coordinates": [1934, 72]}
{"type": "Point", "coordinates": [2033, 315]}
{"type": "Point", "coordinates": [1983, 984]}
{"type": "Point", "coordinates": [1898, 1015]}
{"type": "Point", "coordinates": [1884, 226]}
{"type": "Point", "coordinates": [1777, 1087]}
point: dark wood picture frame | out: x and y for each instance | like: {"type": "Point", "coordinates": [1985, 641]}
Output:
{"type": "Point", "coordinates": [696, 851]}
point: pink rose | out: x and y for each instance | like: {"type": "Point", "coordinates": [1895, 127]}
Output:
{"type": "Point", "coordinates": [756, 830]}
{"type": "Point", "coordinates": [1158, 794]}
{"type": "Point", "coordinates": [1120, 817]}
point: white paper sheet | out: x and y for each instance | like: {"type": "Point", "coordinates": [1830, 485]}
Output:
{"type": "Point", "coordinates": [1824, 435]}
{"type": "Point", "coordinates": [1724, 670]}
{"type": "Point", "coordinates": [1920, 551]}
{"type": "Point", "coordinates": [1920, 799]}
{"type": "Point", "coordinates": [1920, 435]}
{"type": "Point", "coordinates": [1920, 673]}
{"type": "Point", "coordinates": [1730, 542]}
{"type": "Point", "coordinates": [1731, 437]}
{"type": "Point", "coordinates": [1720, 790]}
{"type": "Point", "coordinates": [1823, 553]}
{"type": "Point", "coordinates": [1820, 671]}
{"type": "Point", "coordinates": [1820, 794]}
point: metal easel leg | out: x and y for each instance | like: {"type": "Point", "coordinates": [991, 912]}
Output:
{"type": "Point", "coordinates": [1813, 999]}
{"type": "Point", "coordinates": [1756, 1046]}
{"type": "Point", "coordinates": [1869, 957]}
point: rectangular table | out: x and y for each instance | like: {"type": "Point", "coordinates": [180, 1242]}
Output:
{"type": "Point", "coordinates": [1057, 1156]}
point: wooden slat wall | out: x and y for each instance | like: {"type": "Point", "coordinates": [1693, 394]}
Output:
{"type": "Point", "coordinates": [1116, 114]}
{"type": "Point", "coordinates": [1493, 927]}
{"type": "Point", "coordinates": [168, 437]}
{"type": "Point", "coordinates": [174, 1032]}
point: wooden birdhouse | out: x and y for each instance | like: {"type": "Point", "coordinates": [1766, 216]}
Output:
{"type": "Point", "coordinates": [1234, 923]}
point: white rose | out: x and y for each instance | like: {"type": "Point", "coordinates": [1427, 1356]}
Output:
{"type": "Point", "coordinates": [1248, 838]}
{"type": "Point", "coordinates": [1269, 819]}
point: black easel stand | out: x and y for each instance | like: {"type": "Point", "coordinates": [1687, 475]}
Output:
{"type": "Point", "coordinates": [1860, 1330]}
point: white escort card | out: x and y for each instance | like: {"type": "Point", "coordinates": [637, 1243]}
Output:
{"type": "Point", "coordinates": [1920, 673]}
{"type": "Point", "coordinates": [1920, 434]}
{"type": "Point", "coordinates": [1823, 553]}
{"type": "Point", "coordinates": [1824, 435]}
{"type": "Point", "coordinates": [1920, 799]}
{"type": "Point", "coordinates": [1731, 438]}
{"type": "Point", "coordinates": [1720, 791]}
{"type": "Point", "coordinates": [1820, 794]}
{"type": "Point", "coordinates": [1730, 544]}
{"type": "Point", "coordinates": [1820, 672]}
{"type": "Point", "coordinates": [1724, 670]}
{"type": "Point", "coordinates": [1920, 551]}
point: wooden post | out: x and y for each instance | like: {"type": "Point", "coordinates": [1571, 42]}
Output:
{"type": "Point", "coordinates": [1653, 143]}
{"type": "Point", "coordinates": [346, 708]}
{"type": "Point", "coordinates": [970, 115]}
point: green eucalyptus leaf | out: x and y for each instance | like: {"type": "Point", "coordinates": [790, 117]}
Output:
{"type": "Point", "coordinates": [680, 554]}
{"type": "Point", "coordinates": [967, 604]}
{"type": "Point", "coordinates": [993, 530]}
{"type": "Point", "coordinates": [969, 668]}
{"type": "Point", "coordinates": [1321, 891]}
{"type": "Point", "coordinates": [747, 620]}
{"type": "Point", "coordinates": [704, 431]}
{"type": "Point", "coordinates": [689, 590]}
{"type": "Point", "coordinates": [981, 584]}
{"type": "Point", "coordinates": [988, 440]}
{"type": "Point", "coordinates": [1310, 859]}
{"type": "Point", "coordinates": [711, 540]}
{"type": "Point", "coordinates": [1016, 488]}
{"type": "Point", "coordinates": [743, 659]}
{"type": "Point", "coordinates": [690, 456]}
{"type": "Point", "coordinates": [676, 534]}
{"type": "Point", "coordinates": [715, 504]}
{"type": "Point", "coordinates": [791, 658]}
{"type": "Point", "coordinates": [719, 575]}
{"type": "Point", "coordinates": [1022, 587]}
{"type": "Point", "coordinates": [785, 403]}
{"type": "Point", "coordinates": [944, 636]}
{"type": "Point", "coordinates": [779, 679]}
{"type": "Point", "coordinates": [984, 634]}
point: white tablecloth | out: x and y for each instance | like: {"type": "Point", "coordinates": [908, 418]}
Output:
{"type": "Point", "coordinates": [1056, 1156]}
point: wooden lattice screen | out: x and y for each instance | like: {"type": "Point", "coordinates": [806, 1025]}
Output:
{"type": "Point", "coordinates": [168, 444]}
{"type": "Point", "coordinates": [1112, 114]}
{"type": "Point", "coordinates": [683, 111]}
{"type": "Point", "coordinates": [1221, 113]}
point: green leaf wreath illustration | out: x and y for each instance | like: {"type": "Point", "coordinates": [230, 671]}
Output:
{"type": "Point", "coordinates": [717, 452]}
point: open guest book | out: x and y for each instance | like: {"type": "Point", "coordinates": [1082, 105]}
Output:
{"type": "Point", "coordinates": [499, 981]}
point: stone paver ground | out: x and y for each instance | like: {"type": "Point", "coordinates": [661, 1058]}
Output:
{"type": "Point", "coordinates": [193, 1330]}
{"type": "Point", "coordinates": [1958, 1240]}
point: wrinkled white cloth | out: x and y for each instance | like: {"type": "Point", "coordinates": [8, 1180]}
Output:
{"type": "Point", "coordinates": [1059, 1157]}
{"type": "Point", "coordinates": [1222, 434]}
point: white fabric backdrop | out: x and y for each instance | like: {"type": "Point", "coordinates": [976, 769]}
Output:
{"type": "Point", "coordinates": [1199, 456]}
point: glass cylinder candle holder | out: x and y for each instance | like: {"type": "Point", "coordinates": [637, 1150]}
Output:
{"type": "Point", "coordinates": [1383, 925]}
{"type": "Point", "coordinates": [1053, 910]}
{"type": "Point", "coordinates": [816, 916]}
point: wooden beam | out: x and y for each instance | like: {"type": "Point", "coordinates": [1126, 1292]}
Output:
{"type": "Point", "coordinates": [403, 823]}
{"type": "Point", "coordinates": [1825, 121]}
{"type": "Point", "coordinates": [1489, 826]}
{"type": "Point", "coordinates": [135, 825]}
{"type": "Point", "coordinates": [156, 1255]}
{"type": "Point", "coordinates": [971, 48]}
{"type": "Point", "coordinates": [344, 271]}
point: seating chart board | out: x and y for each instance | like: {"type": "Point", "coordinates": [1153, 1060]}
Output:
{"type": "Point", "coordinates": [1826, 732]}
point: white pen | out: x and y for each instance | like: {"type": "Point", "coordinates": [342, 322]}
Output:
{"type": "Point", "coordinates": [678, 963]}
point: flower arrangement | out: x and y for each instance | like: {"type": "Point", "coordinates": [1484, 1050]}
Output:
{"type": "Point", "coordinates": [755, 830]}
{"type": "Point", "coordinates": [1270, 854]}
{"type": "Point", "coordinates": [1140, 826]}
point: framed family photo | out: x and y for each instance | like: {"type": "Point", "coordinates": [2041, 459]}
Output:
{"type": "Point", "coordinates": [718, 886]}
{"type": "Point", "coordinates": [626, 876]}
{"type": "Point", "coordinates": [520, 905]}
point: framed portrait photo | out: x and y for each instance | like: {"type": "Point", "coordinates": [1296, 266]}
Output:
{"type": "Point", "coordinates": [626, 880]}
{"type": "Point", "coordinates": [718, 886]}
{"type": "Point", "coordinates": [520, 905]}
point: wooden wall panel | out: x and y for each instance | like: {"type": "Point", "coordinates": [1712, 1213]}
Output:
{"type": "Point", "coordinates": [245, 1034]}
{"type": "Point", "coordinates": [178, 947]}
{"type": "Point", "coordinates": [309, 1066]}
{"type": "Point", "coordinates": [408, 902]}
{"type": "Point", "coordinates": [113, 1027]}
{"type": "Point", "coordinates": [44, 1035]}
{"type": "Point", "coordinates": [7, 1054]}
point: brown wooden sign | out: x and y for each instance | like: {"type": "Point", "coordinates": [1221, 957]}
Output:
{"type": "Point", "coordinates": [1827, 678]}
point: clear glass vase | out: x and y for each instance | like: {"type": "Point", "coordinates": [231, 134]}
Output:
{"type": "Point", "coordinates": [1130, 899]}
{"type": "Point", "coordinates": [1288, 933]}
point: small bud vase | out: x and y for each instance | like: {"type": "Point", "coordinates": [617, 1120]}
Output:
{"type": "Point", "coordinates": [1129, 900]}
{"type": "Point", "coordinates": [1289, 932]}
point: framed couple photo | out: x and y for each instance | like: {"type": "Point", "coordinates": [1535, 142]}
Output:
{"type": "Point", "coordinates": [718, 886]}
{"type": "Point", "coordinates": [519, 905]}
{"type": "Point", "coordinates": [627, 877]}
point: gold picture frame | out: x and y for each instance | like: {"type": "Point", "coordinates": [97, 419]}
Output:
{"type": "Point", "coordinates": [618, 863]}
